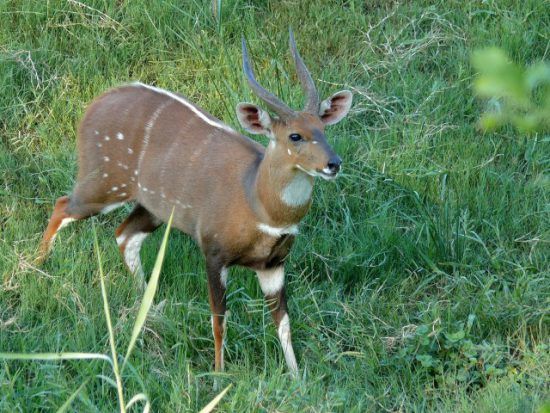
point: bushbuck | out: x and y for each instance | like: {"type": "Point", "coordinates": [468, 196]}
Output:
{"type": "Point", "coordinates": [241, 202]}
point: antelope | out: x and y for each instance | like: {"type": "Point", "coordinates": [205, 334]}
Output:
{"type": "Point", "coordinates": [240, 201]}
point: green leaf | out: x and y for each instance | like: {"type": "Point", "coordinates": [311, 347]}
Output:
{"type": "Point", "coordinates": [426, 360]}
{"type": "Point", "coordinates": [455, 337]}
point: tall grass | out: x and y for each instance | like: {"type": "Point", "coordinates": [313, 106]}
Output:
{"type": "Point", "coordinates": [141, 316]}
{"type": "Point", "coordinates": [420, 279]}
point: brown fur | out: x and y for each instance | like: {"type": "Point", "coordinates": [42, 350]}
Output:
{"type": "Point", "coordinates": [221, 184]}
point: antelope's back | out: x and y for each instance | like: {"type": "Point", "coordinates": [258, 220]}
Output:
{"type": "Point", "coordinates": [138, 142]}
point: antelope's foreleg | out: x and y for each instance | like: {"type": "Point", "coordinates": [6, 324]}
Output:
{"type": "Point", "coordinates": [217, 276]}
{"type": "Point", "coordinates": [272, 282]}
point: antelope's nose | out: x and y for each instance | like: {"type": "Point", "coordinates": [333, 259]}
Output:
{"type": "Point", "coordinates": [334, 164]}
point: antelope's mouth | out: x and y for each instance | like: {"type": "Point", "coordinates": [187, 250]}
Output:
{"type": "Point", "coordinates": [321, 173]}
{"type": "Point", "coordinates": [327, 175]}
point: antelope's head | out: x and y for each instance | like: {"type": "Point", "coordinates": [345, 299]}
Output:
{"type": "Point", "coordinates": [298, 135]}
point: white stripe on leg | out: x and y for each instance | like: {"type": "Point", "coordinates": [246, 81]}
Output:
{"type": "Point", "coordinates": [286, 344]}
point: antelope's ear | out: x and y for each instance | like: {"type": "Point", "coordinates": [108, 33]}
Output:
{"type": "Point", "coordinates": [336, 107]}
{"type": "Point", "coordinates": [254, 119]}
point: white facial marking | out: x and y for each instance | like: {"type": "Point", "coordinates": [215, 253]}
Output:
{"type": "Point", "coordinates": [114, 188]}
{"type": "Point", "coordinates": [130, 151]}
{"type": "Point", "coordinates": [106, 159]}
{"type": "Point", "coordinates": [107, 138]}
{"type": "Point", "coordinates": [144, 189]}
{"type": "Point", "coordinates": [119, 136]}
{"type": "Point", "coordinates": [298, 191]}
{"type": "Point", "coordinates": [131, 252]}
{"type": "Point", "coordinates": [223, 276]}
{"type": "Point", "coordinates": [99, 144]}
{"type": "Point", "coordinates": [289, 153]}
{"type": "Point", "coordinates": [277, 231]}
{"type": "Point", "coordinates": [272, 280]}
{"type": "Point", "coordinates": [187, 104]}
{"type": "Point", "coordinates": [286, 344]}
{"type": "Point", "coordinates": [111, 207]}
{"type": "Point", "coordinates": [105, 175]}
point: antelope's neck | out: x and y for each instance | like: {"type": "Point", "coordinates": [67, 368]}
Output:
{"type": "Point", "coordinates": [283, 191]}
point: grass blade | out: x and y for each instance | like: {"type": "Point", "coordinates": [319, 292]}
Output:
{"type": "Point", "coordinates": [210, 406]}
{"type": "Point", "coordinates": [54, 356]}
{"type": "Point", "coordinates": [68, 402]}
{"type": "Point", "coordinates": [137, 398]}
{"type": "Point", "coordinates": [109, 326]}
{"type": "Point", "coordinates": [149, 294]}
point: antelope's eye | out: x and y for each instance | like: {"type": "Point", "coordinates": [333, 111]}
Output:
{"type": "Point", "coordinates": [294, 137]}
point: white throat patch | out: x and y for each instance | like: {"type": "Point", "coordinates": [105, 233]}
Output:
{"type": "Point", "coordinates": [298, 191]}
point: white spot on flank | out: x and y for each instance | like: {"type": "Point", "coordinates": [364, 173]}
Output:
{"type": "Point", "coordinates": [223, 276]}
{"type": "Point", "coordinates": [105, 175]}
{"type": "Point", "coordinates": [286, 344]}
{"type": "Point", "coordinates": [314, 142]}
{"type": "Point", "coordinates": [130, 151]}
{"type": "Point", "coordinates": [99, 144]}
{"type": "Point", "coordinates": [123, 166]}
{"type": "Point", "coordinates": [139, 185]}
{"type": "Point", "coordinates": [119, 136]}
{"type": "Point", "coordinates": [114, 188]}
{"type": "Point", "coordinates": [187, 104]}
{"type": "Point", "coordinates": [298, 191]}
{"type": "Point", "coordinates": [162, 195]}
{"type": "Point", "coordinates": [151, 192]}
{"type": "Point", "coordinates": [96, 132]}
{"type": "Point", "coordinates": [132, 179]}
{"type": "Point", "coordinates": [107, 138]}
{"type": "Point", "coordinates": [272, 280]}
{"type": "Point", "coordinates": [112, 207]}
{"type": "Point", "coordinates": [123, 185]}
{"type": "Point", "coordinates": [123, 194]}
{"type": "Point", "coordinates": [106, 159]}
{"type": "Point", "coordinates": [278, 231]}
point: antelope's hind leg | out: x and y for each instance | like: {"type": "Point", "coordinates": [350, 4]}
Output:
{"type": "Point", "coordinates": [130, 236]}
{"type": "Point", "coordinates": [65, 212]}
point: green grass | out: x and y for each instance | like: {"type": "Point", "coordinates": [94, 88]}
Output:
{"type": "Point", "coordinates": [420, 280]}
